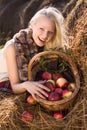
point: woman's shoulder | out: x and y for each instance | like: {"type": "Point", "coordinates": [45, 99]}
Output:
{"type": "Point", "coordinates": [9, 47]}
{"type": "Point", "coordinates": [9, 43]}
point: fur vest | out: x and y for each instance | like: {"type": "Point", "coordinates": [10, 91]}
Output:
{"type": "Point", "coordinates": [25, 49]}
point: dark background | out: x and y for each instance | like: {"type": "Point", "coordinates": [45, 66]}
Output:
{"type": "Point", "coordinates": [15, 14]}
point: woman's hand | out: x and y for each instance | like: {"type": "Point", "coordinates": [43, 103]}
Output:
{"type": "Point", "coordinates": [37, 88]}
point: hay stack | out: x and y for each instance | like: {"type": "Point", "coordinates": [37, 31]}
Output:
{"type": "Point", "coordinates": [9, 109]}
{"type": "Point", "coordinates": [12, 106]}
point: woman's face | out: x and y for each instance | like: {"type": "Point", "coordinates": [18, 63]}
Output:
{"type": "Point", "coordinates": [43, 30]}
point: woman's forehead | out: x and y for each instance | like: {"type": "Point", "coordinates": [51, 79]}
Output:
{"type": "Point", "coordinates": [45, 21]}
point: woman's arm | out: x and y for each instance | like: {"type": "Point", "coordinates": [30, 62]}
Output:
{"type": "Point", "coordinates": [35, 88]}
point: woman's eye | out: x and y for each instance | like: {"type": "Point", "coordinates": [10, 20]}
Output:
{"type": "Point", "coordinates": [41, 29]}
{"type": "Point", "coordinates": [50, 33]}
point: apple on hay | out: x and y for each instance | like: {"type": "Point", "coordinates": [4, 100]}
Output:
{"type": "Point", "coordinates": [27, 116]}
{"type": "Point", "coordinates": [58, 115]}
{"type": "Point", "coordinates": [31, 100]}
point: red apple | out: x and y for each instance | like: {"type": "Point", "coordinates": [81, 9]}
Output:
{"type": "Point", "coordinates": [46, 75]}
{"type": "Point", "coordinates": [31, 100]}
{"type": "Point", "coordinates": [58, 115]}
{"type": "Point", "coordinates": [59, 90]}
{"type": "Point", "coordinates": [27, 116]}
{"type": "Point", "coordinates": [56, 76]}
{"type": "Point", "coordinates": [62, 82]}
{"type": "Point", "coordinates": [51, 81]}
{"type": "Point", "coordinates": [54, 96]}
{"type": "Point", "coordinates": [71, 87]}
{"type": "Point", "coordinates": [50, 85]}
{"type": "Point", "coordinates": [66, 93]}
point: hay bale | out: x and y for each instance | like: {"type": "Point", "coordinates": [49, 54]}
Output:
{"type": "Point", "coordinates": [8, 110]}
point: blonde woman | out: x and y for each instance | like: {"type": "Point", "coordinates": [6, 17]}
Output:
{"type": "Point", "coordinates": [46, 30]}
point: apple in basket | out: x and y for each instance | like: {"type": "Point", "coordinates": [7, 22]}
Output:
{"type": "Point", "coordinates": [46, 75]}
{"type": "Point", "coordinates": [54, 96]}
{"type": "Point", "coordinates": [62, 82]}
{"type": "Point", "coordinates": [56, 76]}
{"type": "Point", "coordinates": [66, 93]}
{"type": "Point", "coordinates": [58, 90]}
{"type": "Point", "coordinates": [27, 116]}
{"type": "Point", "coordinates": [51, 81]}
{"type": "Point", "coordinates": [71, 87]}
{"type": "Point", "coordinates": [58, 115]}
{"type": "Point", "coordinates": [50, 84]}
{"type": "Point", "coordinates": [31, 100]}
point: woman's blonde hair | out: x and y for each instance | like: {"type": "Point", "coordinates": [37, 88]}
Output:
{"type": "Point", "coordinates": [59, 39]}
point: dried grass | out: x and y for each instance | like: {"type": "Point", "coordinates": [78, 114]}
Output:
{"type": "Point", "coordinates": [11, 106]}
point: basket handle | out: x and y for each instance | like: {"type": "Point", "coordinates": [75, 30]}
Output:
{"type": "Point", "coordinates": [63, 55]}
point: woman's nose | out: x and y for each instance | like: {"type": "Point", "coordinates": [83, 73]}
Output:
{"type": "Point", "coordinates": [45, 35]}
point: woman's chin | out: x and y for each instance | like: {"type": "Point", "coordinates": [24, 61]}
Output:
{"type": "Point", "coordinates": [40, 44]}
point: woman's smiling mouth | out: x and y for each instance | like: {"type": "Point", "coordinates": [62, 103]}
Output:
{"type": "Point", "coordinates": [43, 41]}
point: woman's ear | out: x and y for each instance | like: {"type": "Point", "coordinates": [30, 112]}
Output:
{"type": "Point", "coordinates": [31, 24]}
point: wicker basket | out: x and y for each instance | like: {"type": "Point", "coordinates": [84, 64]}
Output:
{"type": "Point", "coordinates": [33, 68]}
